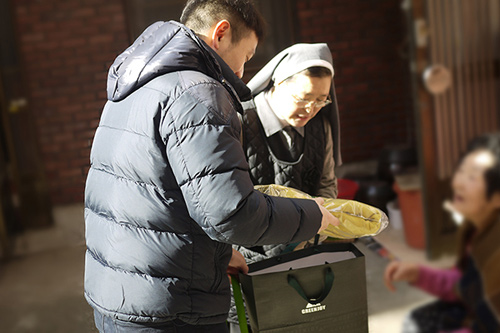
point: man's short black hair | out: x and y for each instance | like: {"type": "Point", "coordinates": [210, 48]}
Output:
{"type": "Point", "coordinates": [200, 15]}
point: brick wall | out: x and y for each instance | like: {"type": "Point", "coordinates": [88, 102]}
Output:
{"type": "Point", "coordinates": [371, 70]}
{"type": "Point", "coordinates": [68, 46]}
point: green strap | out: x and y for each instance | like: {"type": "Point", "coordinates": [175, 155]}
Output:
{"type": "Point", "coordinates": [240, 308]}
{"type": "Point", "coordinates": [329, 277]}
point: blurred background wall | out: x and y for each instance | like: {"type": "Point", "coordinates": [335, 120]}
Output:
{"type": "Point", "coordinates": [55, 56]}
{"type": "Point", "coordinates": [65, 49]}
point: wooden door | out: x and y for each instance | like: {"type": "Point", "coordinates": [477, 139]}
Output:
{"type": "Point", "coordinates": [456, 87]}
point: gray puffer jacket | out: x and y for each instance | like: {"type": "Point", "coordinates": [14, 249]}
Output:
{"type": "Point", "coordinates": [168, 190]}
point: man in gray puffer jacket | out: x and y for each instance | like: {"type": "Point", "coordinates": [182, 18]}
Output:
{"type": "Point", "coordinates": [168, 190]}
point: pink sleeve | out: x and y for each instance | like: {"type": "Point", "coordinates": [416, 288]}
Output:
{"type": "Point", "coordinates": [461, 330]}
{"type": "Point", "coordinates": [439, 282]}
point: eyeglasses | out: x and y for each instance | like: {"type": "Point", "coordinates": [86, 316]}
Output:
{"type": "Point", "coordinates": [305, 104]}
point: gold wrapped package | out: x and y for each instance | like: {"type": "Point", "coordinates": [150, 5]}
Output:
{"type": "Point", "coordinates": [357, 219]}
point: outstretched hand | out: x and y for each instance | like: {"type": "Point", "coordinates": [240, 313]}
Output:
{"type": "Point", "coordinates": [400, 271]}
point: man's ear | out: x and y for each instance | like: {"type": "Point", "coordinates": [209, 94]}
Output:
{"type": "Point", "coordinates": [221, 31]}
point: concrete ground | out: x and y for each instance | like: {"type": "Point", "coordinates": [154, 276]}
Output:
{"type": "Point", "coordinates": [43, 292]}
{"type": "Point", "coordinates": [41, 287]}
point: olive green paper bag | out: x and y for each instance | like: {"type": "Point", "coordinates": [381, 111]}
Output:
{"type": "Point", "coordinates": [317, 289]}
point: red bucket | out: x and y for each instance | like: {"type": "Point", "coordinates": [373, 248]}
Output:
{"type": "Point", "coordinates": [410, 202]}
{"type": "Point", "coordinates": [347, 189]}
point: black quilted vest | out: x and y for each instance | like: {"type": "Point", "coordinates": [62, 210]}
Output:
{"type": "Point", "coordinates": [303, 174]}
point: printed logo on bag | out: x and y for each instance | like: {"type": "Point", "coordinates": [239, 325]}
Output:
{"type": "Point", "coordinates": [310, 308]}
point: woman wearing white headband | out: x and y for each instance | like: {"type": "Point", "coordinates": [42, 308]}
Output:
{"type": "Point", "coordinates": [291, 130]}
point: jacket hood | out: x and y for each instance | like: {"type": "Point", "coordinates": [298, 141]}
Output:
{"type": "Point", "coordinates": [162, 48]}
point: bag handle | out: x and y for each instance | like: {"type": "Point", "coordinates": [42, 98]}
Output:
{"type": "Point", "coordinates": [329, 277]}
{"type": "Point", "coordinates": [240, 307]}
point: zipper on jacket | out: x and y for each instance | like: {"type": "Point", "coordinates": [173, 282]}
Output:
{"type": "Point", "coordinates": [218, 275]}
{"type": "Point", "coordinates": [234, 95]}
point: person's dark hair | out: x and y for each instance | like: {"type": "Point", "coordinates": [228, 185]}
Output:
{"type": "Point", "coordinates": [488, 142]}
{"type": "Point", "coordinates": [316, 71]}
{"type": "Point", "coordinates": [200, 15]}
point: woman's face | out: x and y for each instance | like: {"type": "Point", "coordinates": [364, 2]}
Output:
{"type": "Point", "coordinates": [288, 98]}
{"type": "Point", "coordinates": [469, 188]}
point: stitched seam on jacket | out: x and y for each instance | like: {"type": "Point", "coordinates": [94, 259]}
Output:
{"type": "Point", "coordinates": [130, 225]}
{"type": "Point", "coordinates": [143, 184]}
{"type": "Point", "coordinates": [105, 263]}
{"type": "Point", "coordinates": [144, 275]}
{"type": "Point", "coordinates": [126, 130]}
{"type": "Point", "coordinates": [138, 315]}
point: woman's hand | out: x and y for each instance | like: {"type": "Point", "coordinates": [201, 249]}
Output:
{"type": "Point", "coordinates": [400, 271]}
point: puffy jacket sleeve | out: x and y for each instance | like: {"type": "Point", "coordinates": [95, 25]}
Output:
{"type": "Point", "coordinates": [201, 131]}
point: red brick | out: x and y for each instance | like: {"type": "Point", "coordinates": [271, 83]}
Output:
{"type": "Point", "coordinates": [67, 48]}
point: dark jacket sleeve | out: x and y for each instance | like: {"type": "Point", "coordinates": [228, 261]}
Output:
{"type": "Point", "coordinates": [201, 131]}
